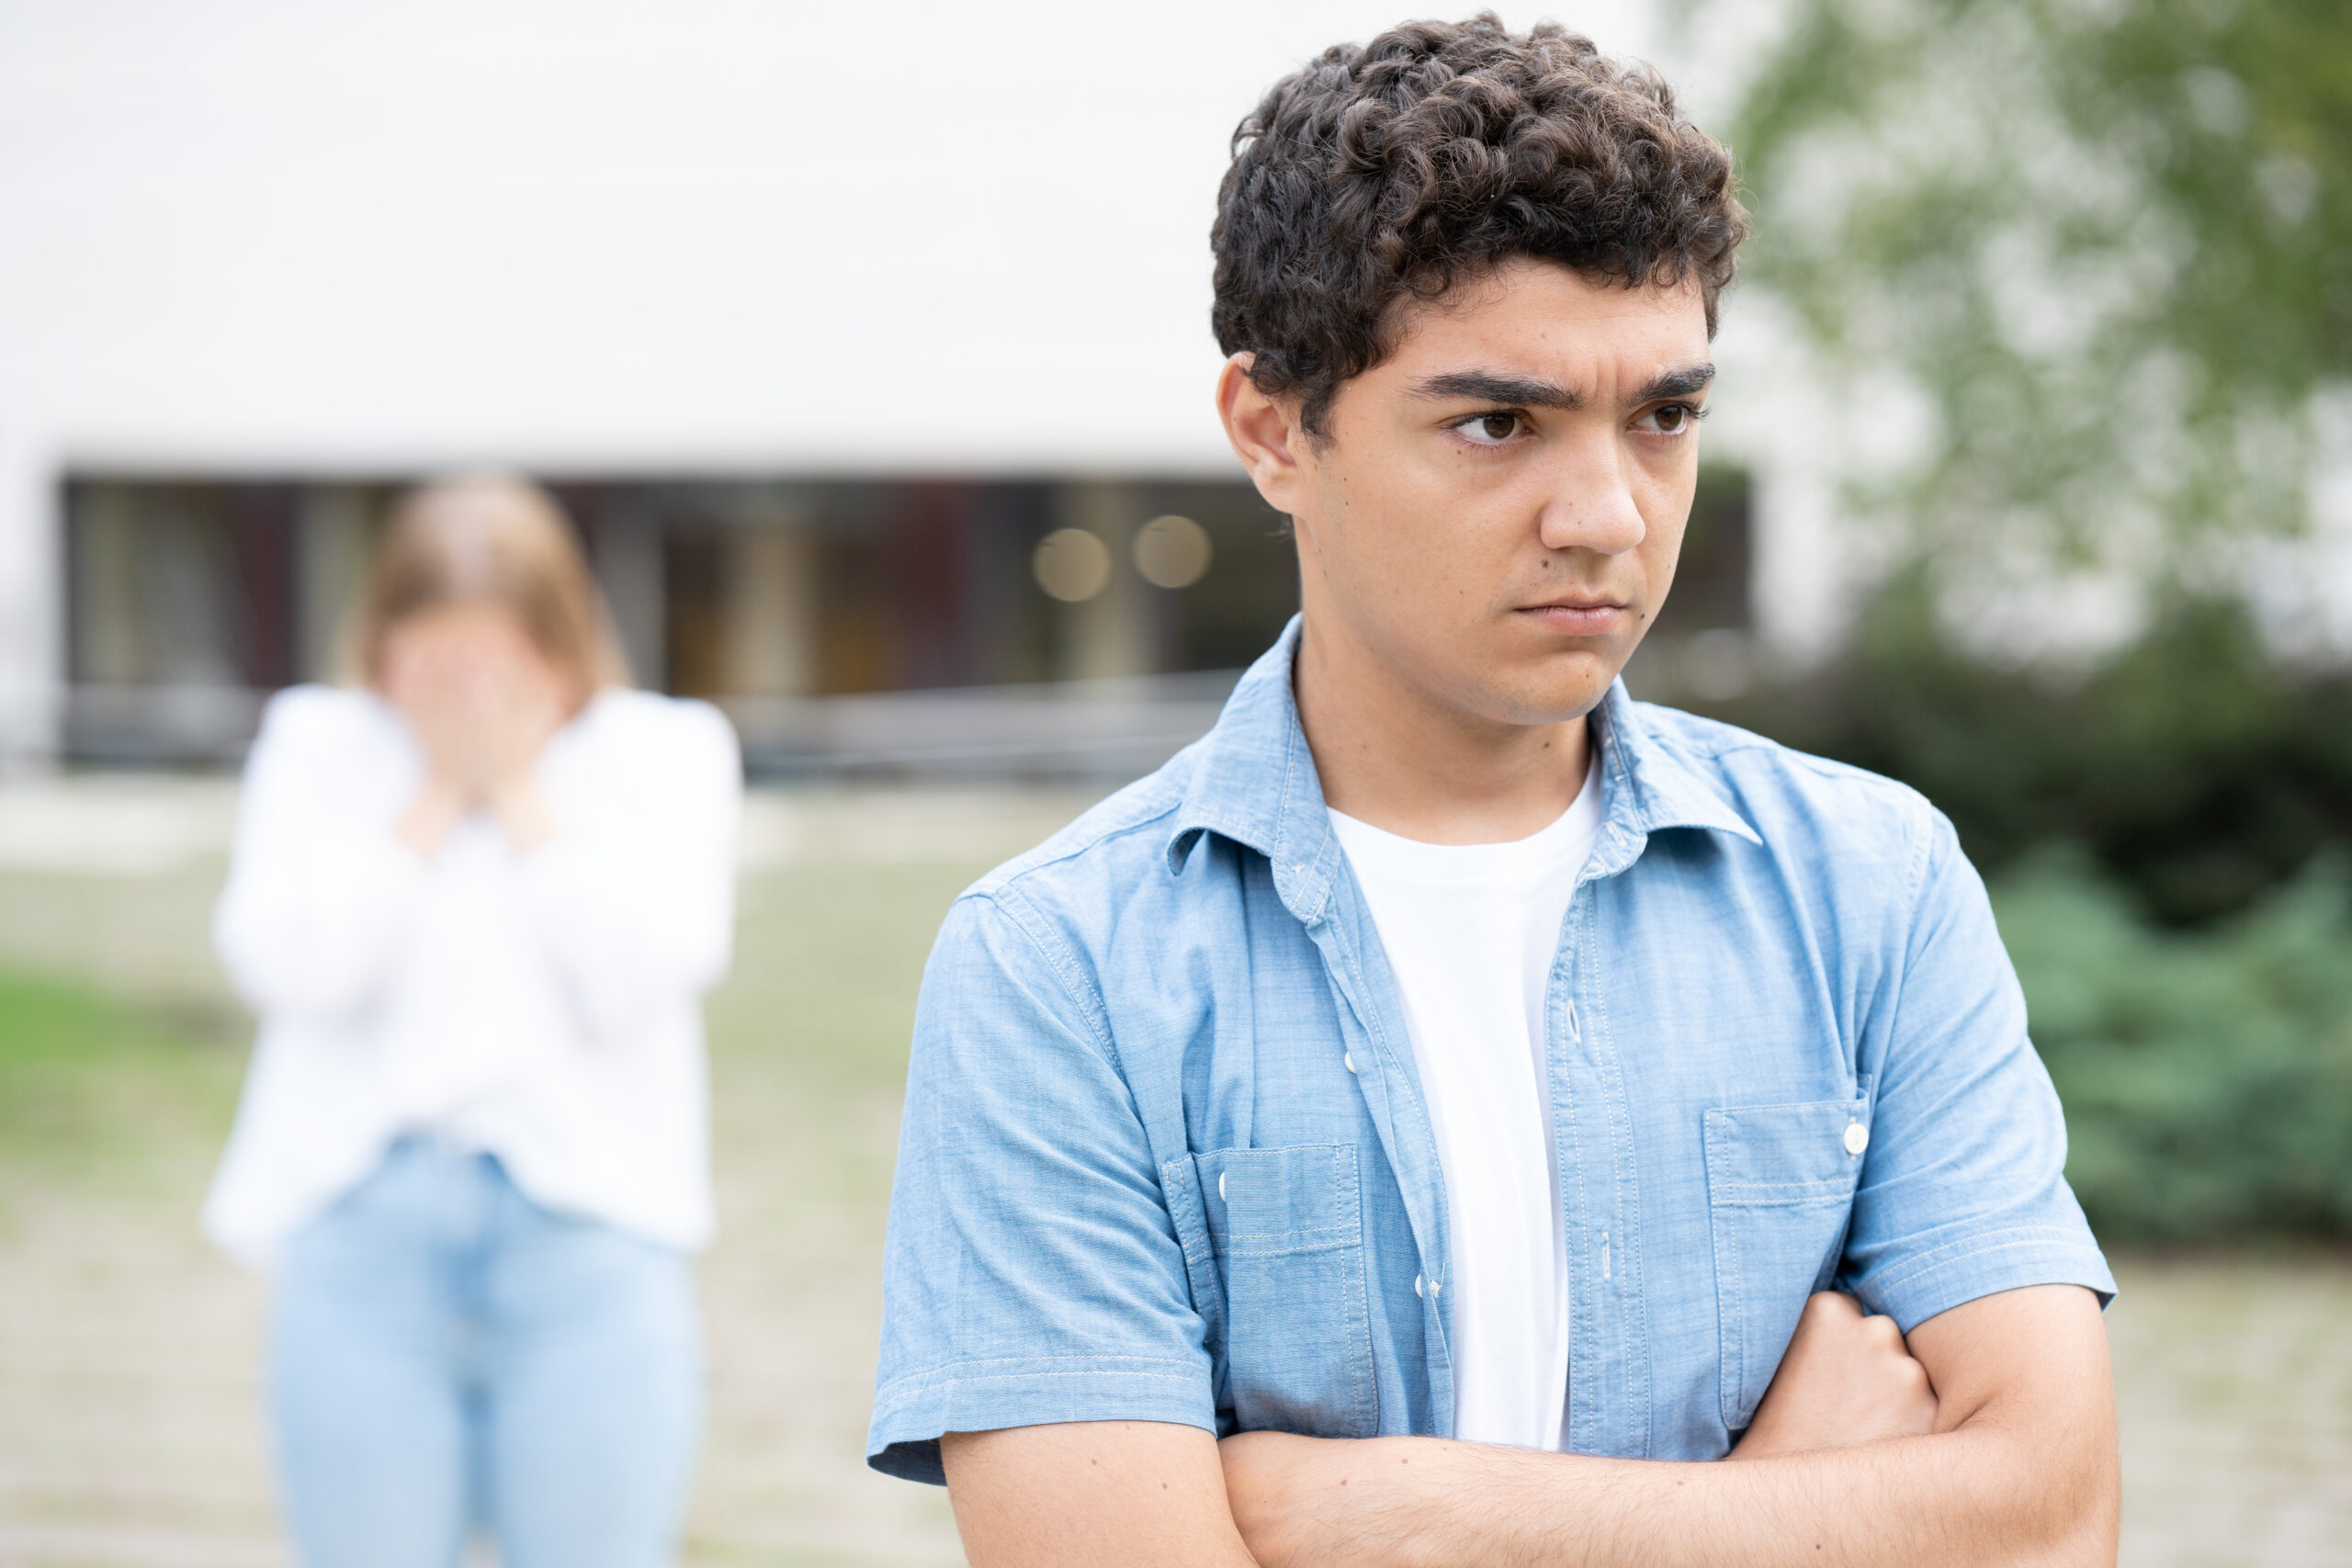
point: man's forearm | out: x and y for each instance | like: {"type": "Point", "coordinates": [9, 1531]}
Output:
{"type": "Point", "coordinates": [1971, 1496]}
{"type": "Point", "coordinates": [2016, 1465]}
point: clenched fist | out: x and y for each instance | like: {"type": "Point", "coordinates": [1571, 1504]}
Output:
{"type": "Point", "coordinates": [1847, 1379]}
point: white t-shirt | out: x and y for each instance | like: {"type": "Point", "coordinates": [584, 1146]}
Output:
{"type": "Point", "coordinates": [1471, 931]}
{"type": "Point", "coordinates": [545, 1006]}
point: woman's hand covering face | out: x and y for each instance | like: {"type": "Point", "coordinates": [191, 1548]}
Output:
{"type": "Point", "coordinates": [479, 695]}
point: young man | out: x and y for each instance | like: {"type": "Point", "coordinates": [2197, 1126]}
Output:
{"type": "Point", "coordinates": [1460, 1088]}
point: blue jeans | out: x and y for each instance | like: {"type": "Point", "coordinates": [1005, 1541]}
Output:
{"type": "Point", "coordinates": [447, 1352]}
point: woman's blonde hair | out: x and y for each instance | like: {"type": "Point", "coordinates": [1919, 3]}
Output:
{"type": "Point", "coordinates": [496, 539]}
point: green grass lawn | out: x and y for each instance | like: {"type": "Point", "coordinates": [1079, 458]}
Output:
{"type": "Point", "coordinates": [101, 1093]}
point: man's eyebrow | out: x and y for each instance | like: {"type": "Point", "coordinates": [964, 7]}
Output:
{"type": "Point", "coordinates": [1680, 383]}
{"type": "Point", "coordinates": [1505, 391]}
{"type": "Point", "coordinates": [1526, 392]}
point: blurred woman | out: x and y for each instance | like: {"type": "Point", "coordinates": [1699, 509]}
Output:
{"type": "Point", "coordinates": [475, 898]}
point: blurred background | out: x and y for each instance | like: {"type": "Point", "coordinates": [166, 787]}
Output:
{"type": "Point", "coordinates": [867, 347]}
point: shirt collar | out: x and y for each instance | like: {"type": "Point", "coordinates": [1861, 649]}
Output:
{"type": "Point", "coordinates": [1253, 781]}
{"type": "Point", "coordinates": [1653, 784]}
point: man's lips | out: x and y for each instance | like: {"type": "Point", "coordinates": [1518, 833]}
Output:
{"type": "Point", "coordinates": [1577, 616]}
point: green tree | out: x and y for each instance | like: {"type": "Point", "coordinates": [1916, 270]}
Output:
{"type": "Point", "coordinates": [2109, 241]}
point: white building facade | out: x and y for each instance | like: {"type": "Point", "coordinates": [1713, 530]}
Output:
{"type": "Point", "coordinates": [737, 258]}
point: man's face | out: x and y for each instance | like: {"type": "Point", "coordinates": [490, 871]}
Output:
{"type": "Point", "coordinates": [1496, 515]}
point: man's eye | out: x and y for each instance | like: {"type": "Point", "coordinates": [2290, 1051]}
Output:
{"type": "Point", "coordinates": [1490, 429]}
{"type": "Point", "coordinates": [1672, 419]}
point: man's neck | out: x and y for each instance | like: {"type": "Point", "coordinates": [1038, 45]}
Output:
{"type": "Point", "coordinates": [1394, 755]}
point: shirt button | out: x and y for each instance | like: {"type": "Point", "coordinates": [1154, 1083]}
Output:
{"type": "Point", "coordinates": [1349, 1058]}
{"type": "Point", "coordinates": [1417, 1287]}
{"type": "Point", "coordinates": [1858, 1137]}
{"type": "Point", "coordinates": [1220, 1184]}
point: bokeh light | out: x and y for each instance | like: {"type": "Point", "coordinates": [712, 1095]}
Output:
{"type": "Point", "coordinates": [1072, 565]}
{"type": "Point", "coordinates": [1173, 552]}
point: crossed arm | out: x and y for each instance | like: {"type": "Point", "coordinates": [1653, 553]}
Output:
{"type": "Point", "coordinates": [1989, 1438]}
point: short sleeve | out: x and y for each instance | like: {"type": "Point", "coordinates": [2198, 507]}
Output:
{"type": "Point", "coordinates": [1032, 1273]}
{"type": "Point", "coordinates": [1963, 1190]}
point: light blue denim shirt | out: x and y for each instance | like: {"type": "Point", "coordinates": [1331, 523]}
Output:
{"type": "Point", "coordinates": [1166, 1157]}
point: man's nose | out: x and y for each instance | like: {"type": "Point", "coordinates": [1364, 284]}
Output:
{"type": "Point", "coordinates": [1590, 505]}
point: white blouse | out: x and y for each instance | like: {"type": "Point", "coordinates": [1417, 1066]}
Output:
{"type": "Point", "coordinates": [543, 1007]}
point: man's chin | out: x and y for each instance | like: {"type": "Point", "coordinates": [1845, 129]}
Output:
{"type": "Point", "coordinates": [1551, 700]}
{"type": "Point", "coordinates": [1564, 685]}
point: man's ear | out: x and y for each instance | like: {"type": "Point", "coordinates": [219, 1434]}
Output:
{"type": "Point", "coordinates": [1265, 432]}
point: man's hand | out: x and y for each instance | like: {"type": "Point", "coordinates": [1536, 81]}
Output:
{"type": "Point", "coordinates": [1846, 1380]}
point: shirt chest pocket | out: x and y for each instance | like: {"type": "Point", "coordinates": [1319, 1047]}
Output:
{"type": "Point", "coordinates": [1287, 1313]}
{"type": "Point", "coordinates": [1781, 1186]}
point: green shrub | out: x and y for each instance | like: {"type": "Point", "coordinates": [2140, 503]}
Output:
{"type": "Point", "coordinates": [2199, 771]}
{"type": "Point", "coordinates": [2206, 1075]}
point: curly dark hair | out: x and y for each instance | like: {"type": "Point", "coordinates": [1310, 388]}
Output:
{"type": "Point", "coordinates": [1389, 170]}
